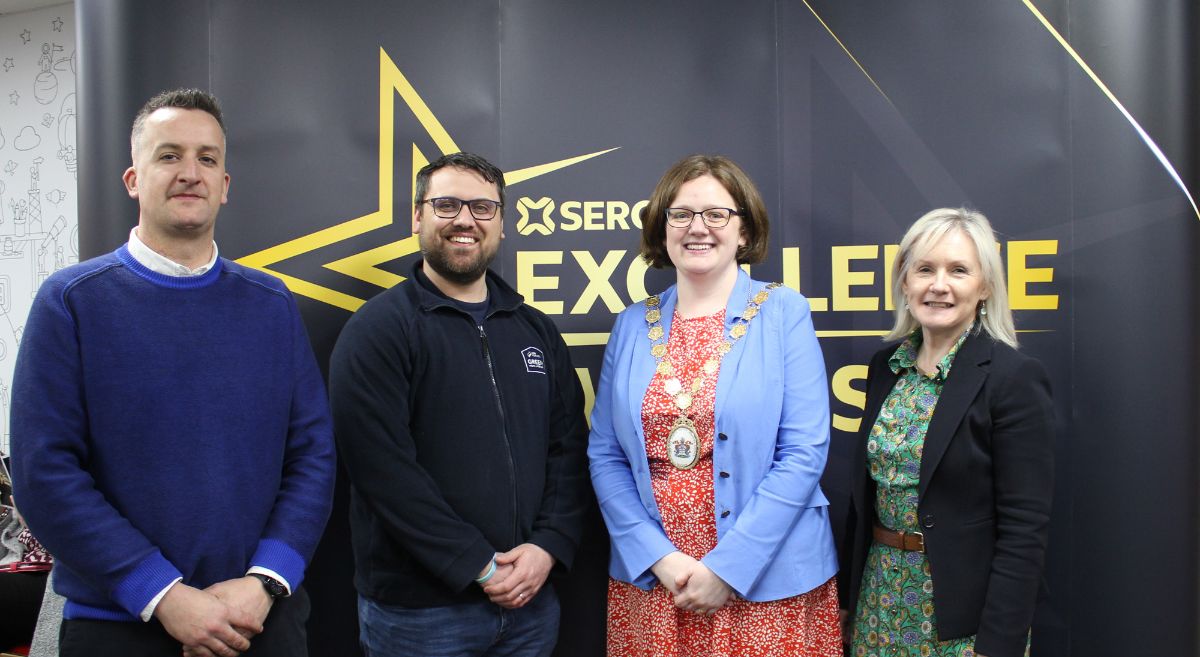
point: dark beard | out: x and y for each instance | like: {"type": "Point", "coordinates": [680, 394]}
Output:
{"type": "Point", "coordinates": [457, 274]}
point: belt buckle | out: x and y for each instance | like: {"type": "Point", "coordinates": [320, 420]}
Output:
{"type": "Point", "coordinates": [920, 540]}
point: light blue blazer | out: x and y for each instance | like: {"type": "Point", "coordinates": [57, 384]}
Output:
{"type": "Point", "coordinates": [772, 406]}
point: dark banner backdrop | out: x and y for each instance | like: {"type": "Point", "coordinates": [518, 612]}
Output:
{"type": "Point", "coordinates": [853, 117]}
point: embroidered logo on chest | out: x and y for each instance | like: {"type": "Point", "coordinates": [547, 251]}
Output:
{"type": "Point", "coordinates": [535, 362]}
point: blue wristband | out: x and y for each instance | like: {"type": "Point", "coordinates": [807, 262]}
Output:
{"type": "Point", "coordinates": [488, 575]}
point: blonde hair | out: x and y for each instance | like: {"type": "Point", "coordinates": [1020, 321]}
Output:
{"type": "Point", "coordinates": [922, 236]}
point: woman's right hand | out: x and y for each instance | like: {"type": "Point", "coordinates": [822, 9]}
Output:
{"type": "Point", "coordinates": [669, 568]}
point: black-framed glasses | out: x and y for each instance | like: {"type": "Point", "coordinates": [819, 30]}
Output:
{"type": "Point", "coordinates": [448, 207]}
{"type": "Point", "coordinates": [712, 217]}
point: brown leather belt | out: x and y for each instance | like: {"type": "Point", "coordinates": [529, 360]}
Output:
{"type": "Point", "coordinates": [911, 541]}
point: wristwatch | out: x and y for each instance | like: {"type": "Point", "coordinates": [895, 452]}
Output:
{"type": "Point", "coordinates": [274, 588]}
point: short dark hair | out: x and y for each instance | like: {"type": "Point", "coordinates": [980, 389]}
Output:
{"type": "Point", "coordinates": [194, 99]}
{"type": "Point", "coordinates": [752, 210]}
{"type": "Point", "coordinates": [469, 161]}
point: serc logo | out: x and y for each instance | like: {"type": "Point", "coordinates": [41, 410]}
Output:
{"type": "Point", "coordinates": [545, 225]}
{"type": "Point", "coordinates": [539, 216]}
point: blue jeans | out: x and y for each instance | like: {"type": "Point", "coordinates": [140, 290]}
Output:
{"type": "Point", "coordinates": [471, 629]}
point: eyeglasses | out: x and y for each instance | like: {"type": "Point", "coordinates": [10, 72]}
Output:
{"type": "Point", "coordinates": [448, 207]}
{"type": "Point", "coordinates": [712, 217]}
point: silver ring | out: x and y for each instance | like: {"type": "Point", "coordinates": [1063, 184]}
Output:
{"type": "Point", "coordinates": [521, 595]}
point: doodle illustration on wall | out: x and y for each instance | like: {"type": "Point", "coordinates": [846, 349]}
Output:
{"type": "Point", "coordinates": [28, 140]}
{"type": "Point", "coordinates": [45, 85]}
{"type": "Point", "coordinates": [39, 227]}
{"type": "Point", "coordinates": [66, 134]}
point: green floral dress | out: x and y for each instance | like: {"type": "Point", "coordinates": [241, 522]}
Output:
{"type": "Point", "coordinates": [895, 606]}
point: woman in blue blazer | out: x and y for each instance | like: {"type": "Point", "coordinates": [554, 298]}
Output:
{"type": "Point", "coordinates": [954, 467]}
{"type": "Point", "coordinates": [709, 437]}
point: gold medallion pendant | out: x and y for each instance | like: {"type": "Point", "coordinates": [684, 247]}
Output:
{"type": "Point", "coordinates": [683, 445]}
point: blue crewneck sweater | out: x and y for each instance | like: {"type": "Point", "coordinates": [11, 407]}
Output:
{"type": "Point", "coordinates": [168, 427]}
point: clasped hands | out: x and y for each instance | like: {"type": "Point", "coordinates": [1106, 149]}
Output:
{"type": "Point", "coordinates": [520, 574]}
{"type": "Point", "coordinates": [692, 585]}
{"type": "Point", "coordinates": [218, 621]}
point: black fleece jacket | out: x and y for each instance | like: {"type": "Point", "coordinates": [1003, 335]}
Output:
{"type": "Point", "coordinates": [459, 440]}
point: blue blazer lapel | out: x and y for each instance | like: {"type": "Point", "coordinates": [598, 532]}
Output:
{"type": "Point", "coordinates": [967, 376]}
{"type": "Point", "coordinates": [643, 363]}
{"type": "Point", "coordinates": [734, 307]}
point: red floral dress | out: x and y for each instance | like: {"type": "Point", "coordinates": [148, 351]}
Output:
{"type": "Point", "coordinates": [647, 623]}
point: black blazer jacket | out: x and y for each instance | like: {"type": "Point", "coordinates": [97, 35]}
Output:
{"type": "Point", "coordinates": [984, 496]}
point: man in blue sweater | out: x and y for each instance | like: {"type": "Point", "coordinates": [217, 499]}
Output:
{"type": "Point", "coordinates": [171, 437]}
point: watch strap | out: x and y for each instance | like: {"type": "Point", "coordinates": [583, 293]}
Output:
{"type": "Point", "coordinates": [273, 587]}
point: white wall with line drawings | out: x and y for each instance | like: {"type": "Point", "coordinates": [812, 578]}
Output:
{"type": "Point", "coordinates": [39, 220]}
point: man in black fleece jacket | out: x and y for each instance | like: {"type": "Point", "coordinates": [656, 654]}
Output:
{"type": "Point", "coordinates": [460, 421]}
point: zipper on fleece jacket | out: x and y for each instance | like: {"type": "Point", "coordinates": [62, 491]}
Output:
{"type": "Point", "coordinates": [512, 467]}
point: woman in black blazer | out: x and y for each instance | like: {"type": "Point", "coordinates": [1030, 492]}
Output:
{"type": "Point", "coordinates": [953, 472]}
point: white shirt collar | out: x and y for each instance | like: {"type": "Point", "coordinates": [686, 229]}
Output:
{"type": "Point", "coordinates": [160, 264]}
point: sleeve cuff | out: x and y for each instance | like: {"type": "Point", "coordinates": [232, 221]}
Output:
{"type": "Point", "coordinates": [640, 556]}
{"type": "Point", "coordinates": [730, 563]}
{"type": "Point", "coordinates": [278, 560]}
{"type": "Point", "coordinates": [556, 546]}
{"type": "Point", "coordinates": [148, 611]}
{"type": "Point", "coordinates": [149, 580]}
{"type": "Point", "coordinates": [461, 573]}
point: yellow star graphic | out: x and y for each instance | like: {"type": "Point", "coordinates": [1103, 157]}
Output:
{"type": "Point", "coordinates": [364, 265]}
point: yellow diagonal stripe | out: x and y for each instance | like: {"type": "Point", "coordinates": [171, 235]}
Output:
{"type": "Point", "coordinates": [1150, 143]}
{"type": "Point", "coordinates": [846, 50]}
{"type": "Point", "coordinates": [521, 175]}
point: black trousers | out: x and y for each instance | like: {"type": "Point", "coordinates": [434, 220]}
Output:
{"type": "Point", "coordinates": [283, 635]}
{"type": "Point", "coordinates": [20, 601]}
